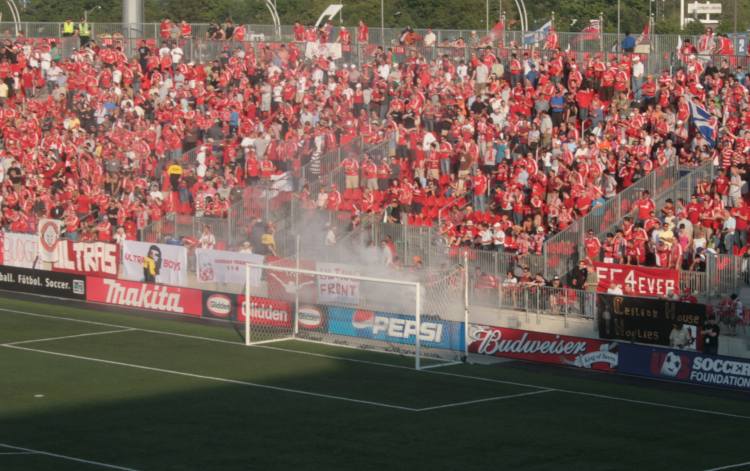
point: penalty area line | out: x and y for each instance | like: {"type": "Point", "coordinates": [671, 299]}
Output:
{"type": "Point", "coordinates": [214, 378]}
{"type": "Point", "coordinates": [65, 337]}
{"type": "Point", "coordinates": [486, 399]}
{"type": "Point", "coordinates": [730, 466]}
{"type": "Point", "coordinates": [32, 451]}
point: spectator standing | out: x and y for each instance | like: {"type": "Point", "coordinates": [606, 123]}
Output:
{"type": "Point", "coordinates": [207, 240]}
{"type": "Point", "coordinates": [710, 332]}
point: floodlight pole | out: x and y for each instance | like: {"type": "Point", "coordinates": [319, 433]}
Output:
{"type": "Point", "coordinates": [382, 22]}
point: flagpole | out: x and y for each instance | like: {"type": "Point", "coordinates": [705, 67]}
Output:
{"type": "Point", "coordinates": [617, 46]}
{"type": "Point", "coordinates": [601, 32]}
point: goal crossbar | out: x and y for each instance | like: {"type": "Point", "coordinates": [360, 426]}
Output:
{"type": "Point", "coordinates": [300, 271]}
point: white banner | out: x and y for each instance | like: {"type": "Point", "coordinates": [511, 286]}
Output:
{"type": "Point", "coordinates": [171, 262]}
{"type": "Point", "coordinates": [20, 250]}
{"type": "Point", "coordinates": [337, 290]}
{"type": "Point", "coordinates": [49, 236]}
{"type": "Point", "coordinates": [315, 49]}
{"type": "Point", "coordinates": [222, 266]}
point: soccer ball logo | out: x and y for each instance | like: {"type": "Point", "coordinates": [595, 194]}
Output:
{"type": "Point", "coordinates": [672, 364]}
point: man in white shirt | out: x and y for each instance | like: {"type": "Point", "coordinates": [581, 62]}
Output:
{"type": "Point", "coordinates": [177, 54]}
{"type": "Point", "coordinates": [430, 38]}
{"type": "Point", "coordinates": [729, 228]}
{"type": "Point", "coordinates": [638, 72]}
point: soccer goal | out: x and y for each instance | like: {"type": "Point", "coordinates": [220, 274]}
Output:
{"type": "Point", "coordinates": [415, 314]}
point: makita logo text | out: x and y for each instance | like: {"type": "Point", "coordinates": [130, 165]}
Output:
{"type": "Point", "coordinates": [158, 298]}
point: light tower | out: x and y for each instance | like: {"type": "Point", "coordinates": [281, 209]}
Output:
{"type": "Point", "coordinates": [132, 21]}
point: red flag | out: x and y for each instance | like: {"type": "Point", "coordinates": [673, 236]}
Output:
{"type": "Point", "coordinates": [644, 37]}
{"type": "Point", "coordinates": [589, 33]}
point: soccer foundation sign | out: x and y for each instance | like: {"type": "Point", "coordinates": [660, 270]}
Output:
{"type": "Point", "coordinates": [685, 366]}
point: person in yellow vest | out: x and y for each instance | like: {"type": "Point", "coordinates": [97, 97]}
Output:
{"type": "Point", "coordinates": [175, 173]}
{"type": "Point", "coordinates": [84, 32]}
{"type": "Point", "coordinates": [151, 264]}
{"type": "Point", "coordinates": [68, 28]}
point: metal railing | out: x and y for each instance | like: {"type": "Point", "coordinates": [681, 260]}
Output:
{"type": "Point", "coordinates": [562, 250]}
{"type": "Point", "coordinates": [661, 56]}
{"type": "Point", "coordinates": [533, 299]}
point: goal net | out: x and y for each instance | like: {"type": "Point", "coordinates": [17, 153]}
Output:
{"type": "Point", "coordinates": [410, 313]}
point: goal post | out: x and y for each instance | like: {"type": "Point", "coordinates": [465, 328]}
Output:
{"type": "Point", "coordinates": [408, 313]}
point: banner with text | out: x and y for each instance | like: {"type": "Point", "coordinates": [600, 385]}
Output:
{"type": "Point", "coordinates": [680, 365]}
{"type": "Point", "coordinates": [91, 258]}
{"type": "Point", "coordinates": [316, 49]}
{"type": "Point", "coordinates": [60, 285]}
{"type": "Point", "coordinates": [335, 290]}
{"type": "Point", "coordinates": [138, 295]}
{"type": "Point", "coordinates": [171, 262]}
{"type": "Point", "coordinates": [652, 321]}
{"type": "Point", "coordinates": [542, 347]}
{"type": "Point", "coordinates": [222, 266]}
{"type": "Point", "coordinates": [636, 280]}
{"type": "Point", "coordinates": [20, 250]}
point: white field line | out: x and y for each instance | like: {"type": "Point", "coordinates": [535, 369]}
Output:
{"type": "Point", "coordinates": [214, 378]}
{"type": "Point", "coordinates": [65, 457]}
{"type": "Point", "coordinates": [387, 365]}
{"type": "Point", "coordinates": [50, 339]}
{"type": "Point", "coordinates": [487, 399]}
{"type": "Point", "coordinates": [731, 466]}
{"type": "Point", "coordinates": [17, 453]}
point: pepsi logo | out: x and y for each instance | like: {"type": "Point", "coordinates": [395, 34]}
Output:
{"type": "Point", "coordinates": [219, 305]}
{"type": "Point", "coordinates": [363, 319]}
{"type": "Point", "coordinates": [309, 317]}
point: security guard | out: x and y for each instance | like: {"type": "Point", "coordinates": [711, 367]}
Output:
{"type": "Point", "coordinates": [84, 31]}
{"type": "Point", "coordinates": [175, 173]}
{"type": "Point", "coordinates": [68, 28]}
{"type": "Point", "coordinates": [151, 264]}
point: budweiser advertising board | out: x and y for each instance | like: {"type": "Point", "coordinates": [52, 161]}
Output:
{"type": "Point", "coordinates": [542, 347]}
{"type": "Point", "coordinates": [636, 280]}
{"type": "Point", "coordinates": [153, 297]}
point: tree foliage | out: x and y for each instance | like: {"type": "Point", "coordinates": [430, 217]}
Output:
{"type": "Point", "coordinates": [570, 15]}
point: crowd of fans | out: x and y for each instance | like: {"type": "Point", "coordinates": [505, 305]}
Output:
{"type": "Point", "coordinates": [498, 151]}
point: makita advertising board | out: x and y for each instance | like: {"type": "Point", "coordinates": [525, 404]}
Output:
{"type": "Point", "coordinates": [543, 348]}
{"type": "Point", "coordinates": [687, 366]}
{"type": "Point", "coordinates": [47, 283]}
{"type": "Point", "coordinates": [395, 328]}
{"type": "Point", "coordinates": [153, 297]}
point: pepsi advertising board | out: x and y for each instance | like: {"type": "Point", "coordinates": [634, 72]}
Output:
{"type": "Point", "coordinates": [686, 366]}
{"type": "Point", "coordinates": [395, 328]}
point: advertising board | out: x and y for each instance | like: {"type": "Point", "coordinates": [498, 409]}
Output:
{"type": "Point", "coordinates": [543, 347]}
{"type": "Point", "coordinates": [685, 366]}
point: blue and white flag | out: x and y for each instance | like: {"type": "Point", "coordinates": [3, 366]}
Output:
{"type": "Point", "coordinates": [704, 122]}
{"type": "Point", "coordinates": [539, 35]}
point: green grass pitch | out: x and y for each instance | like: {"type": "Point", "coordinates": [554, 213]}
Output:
{"type": "Point", "coordinates": [86, 389]}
